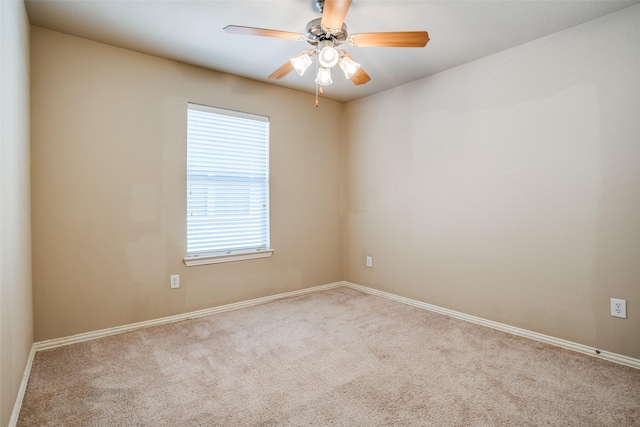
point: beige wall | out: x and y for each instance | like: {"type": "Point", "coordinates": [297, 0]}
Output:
{"type": "Point", "coordinates": [509, 188]}
{"type": "Point", "coordinates": [109, 153]}
{"type": "Point", "coordinates": [16, 324]}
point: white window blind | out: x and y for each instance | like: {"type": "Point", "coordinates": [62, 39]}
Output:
{"type": "Point", "coordinates": [227, 182]}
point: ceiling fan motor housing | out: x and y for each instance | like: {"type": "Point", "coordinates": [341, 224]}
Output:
{"type": "Point", "coordinates": [317, 33]}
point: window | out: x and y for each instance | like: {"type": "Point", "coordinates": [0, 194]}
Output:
{"type": "Point", "coordinates": [227, 186]}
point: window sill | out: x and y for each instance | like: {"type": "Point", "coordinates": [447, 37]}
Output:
{"type": "Point", "coordinates": [215, 259]}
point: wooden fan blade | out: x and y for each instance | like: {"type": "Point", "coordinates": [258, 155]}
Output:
{"type": "Point", "coordinates": [253, 31]}
{"type": "Point", "coordinates": [395, 39]}
{"type": "Point", "coordinates": [285, 69]}
{"type": "Point", "coordinates": [361, 76]}
{"type": "Point", "coordinates": [334, 12]}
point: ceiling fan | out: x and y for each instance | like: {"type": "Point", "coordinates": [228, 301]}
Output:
{"type": "Point", "coordinates": [324, 35]}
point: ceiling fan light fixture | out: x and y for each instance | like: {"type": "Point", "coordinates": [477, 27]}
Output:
{"type": "Point", "coordinates": [348, 66]}
{"type": "Point", "coordinates": [323, 78]}
{"type": "Point", "coordinates": [328, 57]}
{"type": "Point", "coordinates": [301, 63]}
{"type": "Point", "coordinates": [326, 34]}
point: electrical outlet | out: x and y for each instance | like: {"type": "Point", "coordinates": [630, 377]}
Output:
{"type": "Point", "coordinates": [369, 261]}
{"type": "Point", "coordinates": [175, 281]}
{"type": "Point", "coordinates": [619, 308]}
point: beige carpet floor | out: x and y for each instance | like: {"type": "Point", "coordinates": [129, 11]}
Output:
{"type": "Point", "coordinates": [333, 358]}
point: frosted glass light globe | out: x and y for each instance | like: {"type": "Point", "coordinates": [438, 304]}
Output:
{"type": "Point", "coordinates": [328, 57]}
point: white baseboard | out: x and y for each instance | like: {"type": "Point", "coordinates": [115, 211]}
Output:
{"type": "Point", "coordinates": [580, 348]}
{"type": "Point", "coordinates": [57, 342]}
{"type": "Point", "coordinates": [23, 388]}
{"type": "Point", "coordinates": [613, 357]}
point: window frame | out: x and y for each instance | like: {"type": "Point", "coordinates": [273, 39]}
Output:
{"type": "Point", "coordinates": [229, 254]}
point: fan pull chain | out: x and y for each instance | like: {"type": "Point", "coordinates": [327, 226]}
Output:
{"type": "Point", "coordinates": [319, 89]}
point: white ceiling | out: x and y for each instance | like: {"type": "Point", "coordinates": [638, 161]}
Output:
{"type": "Point", "coordinates": [191, 32]}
